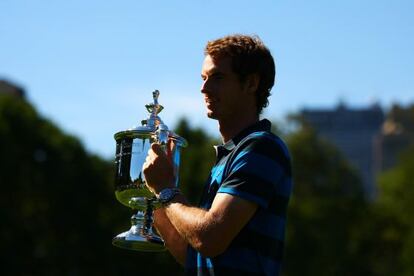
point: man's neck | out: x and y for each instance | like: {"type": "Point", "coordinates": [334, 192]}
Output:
{"type": "Point", "coordinates": [229, 129]}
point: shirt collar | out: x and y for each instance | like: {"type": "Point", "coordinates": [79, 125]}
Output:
{"type": "Point", "coordinates": [262, 125]}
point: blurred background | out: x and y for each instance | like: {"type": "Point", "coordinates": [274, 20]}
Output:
{"type": "Point", "coordinates": [74, 73]}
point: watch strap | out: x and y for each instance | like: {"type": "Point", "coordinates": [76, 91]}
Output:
{"type": "Point", "coordinates": [167, 194]}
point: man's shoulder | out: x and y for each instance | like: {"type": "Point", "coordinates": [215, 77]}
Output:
{"type": "Point", "coordinates": [264, 142]}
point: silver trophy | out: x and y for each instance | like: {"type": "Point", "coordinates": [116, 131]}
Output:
{"type": "Point", "coordinates": [132, 147]}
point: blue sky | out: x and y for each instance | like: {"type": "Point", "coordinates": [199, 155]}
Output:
{"type": "Point", "coordinates": [90, 66]}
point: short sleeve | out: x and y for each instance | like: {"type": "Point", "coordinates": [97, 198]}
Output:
{"type": "Point", "coordinates": [256, 170]}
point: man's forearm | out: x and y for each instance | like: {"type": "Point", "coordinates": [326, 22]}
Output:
{"type": "Point", "coordinates": [210, 231]}
{"type": "Point", "coordinates": [174, 242]}
{"type": "Point", "coordinates": [195, 225]}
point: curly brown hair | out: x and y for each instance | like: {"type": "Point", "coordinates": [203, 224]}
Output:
{"type": "Point", "coordinates": [249, 55]}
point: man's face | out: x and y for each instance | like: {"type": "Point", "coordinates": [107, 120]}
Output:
{"type": "Point", "coordinates": [224, 93]}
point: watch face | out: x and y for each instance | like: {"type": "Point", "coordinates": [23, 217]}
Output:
{"type": "Point", "coordinates": [167, 194]}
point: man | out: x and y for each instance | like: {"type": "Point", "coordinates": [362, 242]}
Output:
{"type": "Point", "coordinates": [239, 227]}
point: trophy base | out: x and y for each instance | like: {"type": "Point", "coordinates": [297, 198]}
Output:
{"type": "Point", "coordinates": [134, 241]}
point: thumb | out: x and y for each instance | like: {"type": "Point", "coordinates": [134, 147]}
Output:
{"type": "Point", "coordinates": [170, 148]}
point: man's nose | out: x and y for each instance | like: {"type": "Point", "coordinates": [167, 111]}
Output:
{"type": "Point", "coordinates": [205, 86]}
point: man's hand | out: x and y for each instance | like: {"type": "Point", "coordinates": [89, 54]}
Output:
{"type": "Point", "coordinates": [158, 168]}
{"type": "Point", "coordinates": [208, 231]}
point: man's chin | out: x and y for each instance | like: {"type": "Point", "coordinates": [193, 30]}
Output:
{"type": "Point", "coordinates": [211, 115]}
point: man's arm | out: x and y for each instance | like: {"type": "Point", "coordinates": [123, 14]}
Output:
{"type": "Point", "coordinates": [210, 231]}
{"type": "Point", "coordinates": [207, 231]}
{"type": "Point", "coordinates": [173, 240]}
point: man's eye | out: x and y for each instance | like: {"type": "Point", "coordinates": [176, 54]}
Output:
{"type": "Point", "coordinates": [217, 76]}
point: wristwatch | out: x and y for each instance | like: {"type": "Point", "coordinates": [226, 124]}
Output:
{"type": "Point", "coordinates": [167, 194]}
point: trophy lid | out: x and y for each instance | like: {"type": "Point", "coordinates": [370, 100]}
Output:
{"type": "Point", "coordinates": [151, 125]}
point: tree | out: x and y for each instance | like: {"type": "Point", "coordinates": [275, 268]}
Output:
{"type": "Point", "coordinates": [57, 203]}
{"type": "Point", "coordinates": [326, 203]}
{"type": "Point", "coordinates": [396, 199]}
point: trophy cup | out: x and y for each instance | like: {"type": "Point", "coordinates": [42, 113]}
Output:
{"type": "Point", "coordinates": [132, 147]}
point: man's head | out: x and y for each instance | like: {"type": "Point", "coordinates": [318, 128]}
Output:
{"type": "Point", "coordinates": [249, 56]}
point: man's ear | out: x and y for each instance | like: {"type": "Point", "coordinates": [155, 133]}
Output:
{"type": "Point", "coordinates": [252, 83]}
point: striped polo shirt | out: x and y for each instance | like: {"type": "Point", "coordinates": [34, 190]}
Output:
{"type": "Point", "coordinates": [255, 166]}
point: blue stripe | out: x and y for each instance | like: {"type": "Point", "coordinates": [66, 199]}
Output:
{"type": "Point", "coordinates": [244, 195]}
{"type": "Point", "coordinates": [203, 262]}
{"type": "Point", "coordinates": [217, 174]}
{"type": "Point", "coordinates": [260, 166]}
{"type": "Point", "coordinates": [199, 260]}
{"type": "Point", "coordinates": [273, 138]}
{"type": "Point", "coordinates": [208, 262]}
{"type": "Point", "coordinates": [264, 134]}
{"type": "Point", "coordinates": [241, 259]}
{"type": "Point", "coordinates": [269, 225]}
{"type": "Point", "coordinates": [259, 134]}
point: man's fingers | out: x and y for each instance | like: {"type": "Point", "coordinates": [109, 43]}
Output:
{"type": "Point", "coordinates": [166, 150]}
{"type": "Point", "coordinates": [157, 149]}
{"type": "Point", "coordinates": [170, 147]}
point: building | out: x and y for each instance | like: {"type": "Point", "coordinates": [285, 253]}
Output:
{"type": "Point", "coordinates": [357, 134]}
{"type": "Point", "coordinates": [397, 134]}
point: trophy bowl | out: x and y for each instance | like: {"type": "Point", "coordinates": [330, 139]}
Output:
{"type": "Point", "coordinates": [132, 147]}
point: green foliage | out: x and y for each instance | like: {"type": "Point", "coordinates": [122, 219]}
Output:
{"type": "Point", "coordinates": [395, 208]}
{"type": "Point", "coordinates": [397, 193]}
{"type": "Point", "coordinates": [327, 198]}
{"type": "Point", "coordinates": [57, 206]}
